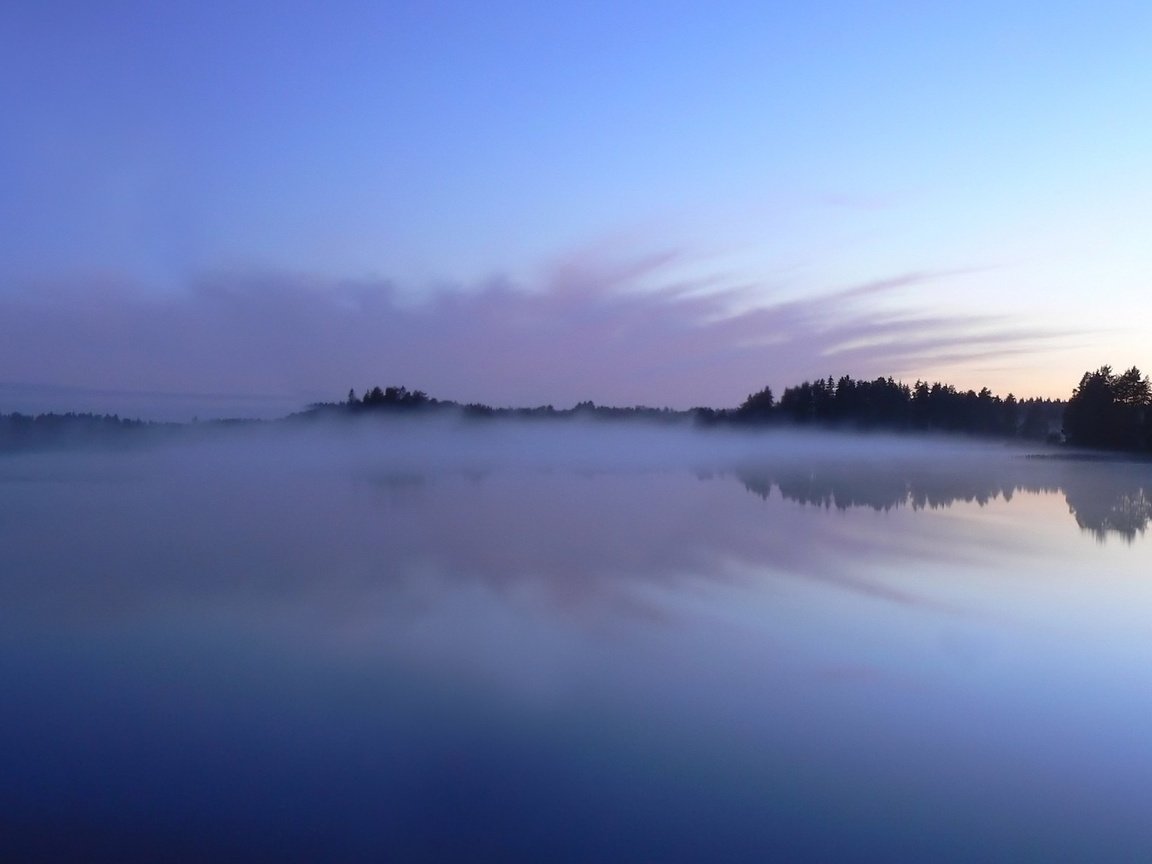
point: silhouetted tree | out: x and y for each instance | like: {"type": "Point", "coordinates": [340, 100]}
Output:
{"type": "Point", "coordinates": [758, 406]}
{"type": "Point", "coordinates": [1010, 417]}
{"type": "Point", "coordinates": [1041, 418]}
{"type": "Point", "coordinates": [1109, 411]}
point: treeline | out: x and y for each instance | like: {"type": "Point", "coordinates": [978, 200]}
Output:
{"type": "Point", "coordinates": [390, 397]}
{"type": "Point", "coordinates": [27, 431]}
{"type": "Point", "coordinates": [1110, 411]}
{"type": "Point", "coordinates": [1106, 410]}
{"type": "Point", "coordinates": [884, 403]}
{"type": "Point", "coordinates": [401, 400]}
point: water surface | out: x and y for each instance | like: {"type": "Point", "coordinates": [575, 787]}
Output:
{"type": "Point", "coordinates": [513, 644]}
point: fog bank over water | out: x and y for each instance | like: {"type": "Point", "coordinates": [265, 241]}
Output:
{"type": "Point", "coordinates": [575, 509]}
{"type": "Point", "coordinates": [452, 440]}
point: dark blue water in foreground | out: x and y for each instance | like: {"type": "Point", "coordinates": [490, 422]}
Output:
{"type": "Point", "coordinates": [459, 651]}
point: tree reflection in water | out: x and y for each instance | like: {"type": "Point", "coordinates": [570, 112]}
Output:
{"type": "Point", "coordinates": [1106, 497]}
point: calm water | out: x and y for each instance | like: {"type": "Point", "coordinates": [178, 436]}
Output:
{"type": "Point", "coordinates": [621, 645]}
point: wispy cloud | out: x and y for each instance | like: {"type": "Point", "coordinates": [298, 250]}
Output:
{"type": "Point", "coordinates": [619, 331]}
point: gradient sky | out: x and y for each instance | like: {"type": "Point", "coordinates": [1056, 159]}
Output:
{"type": "Point", "coordinates": [262, 204]}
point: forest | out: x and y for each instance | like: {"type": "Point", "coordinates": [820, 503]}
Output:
{"type": "Point", "coordinates": [884, 403]}
{"type": "Point", "coordinates": [26, 431]}
{"type": "Point", "coordinates": [1106, 411]}
{"type": "Point", "coordinates": [1110, 412]}
{"type": "Point", "coordinates": [845, 403]}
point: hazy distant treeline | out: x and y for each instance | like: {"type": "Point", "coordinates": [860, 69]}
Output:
{"type": "Point", "coordinates": [880, 404]}
{"type": "Point", "coordinates": [26, 431]}
{"type": "Point", "coordinates": [403, 400]}
{"type": "Point", "coordinates": [1106, 410]}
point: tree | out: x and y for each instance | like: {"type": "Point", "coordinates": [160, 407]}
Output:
{"type": "Point", "coordinates": [1010, 418]}
{"type": "Point", "coordinates": [758, 406]}
{"type": "Point", "coordinates": [1109, 410]}
{"type": "Point", "coordinates": [1131, 389]}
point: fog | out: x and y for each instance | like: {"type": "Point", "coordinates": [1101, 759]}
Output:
{"type": "Point", "coordinates": [452, 441]}
{"type": "Point", "coordinates": [447, 639]}
{"type": "Point", "coordinates": [580, 511]}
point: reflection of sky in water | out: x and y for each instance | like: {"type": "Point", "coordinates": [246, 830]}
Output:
{"type": "Point", "coordinates": [261, 654]}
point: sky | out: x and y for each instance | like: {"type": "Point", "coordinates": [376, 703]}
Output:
{"type": "Point", "coordinates": [215, 209]}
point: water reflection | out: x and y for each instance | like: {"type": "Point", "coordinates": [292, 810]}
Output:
{"type": "Point", "coordinates": [1104, 496]}
{"type": "Point", "coordinates": [275, 653]}
{"type": "Point", "coordinates": [217, 526]}
{"type": "Point", "coordinates": [1118, 505]}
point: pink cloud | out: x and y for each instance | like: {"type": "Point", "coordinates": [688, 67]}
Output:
{"type": "Point", "coordinates": [615, 331]}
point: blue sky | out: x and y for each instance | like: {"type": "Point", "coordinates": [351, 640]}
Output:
{"type": "Point", "coordinates": [986, 161]}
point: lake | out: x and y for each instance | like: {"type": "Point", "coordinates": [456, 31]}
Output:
{"type": "Point", "coordinates": [433, 642]}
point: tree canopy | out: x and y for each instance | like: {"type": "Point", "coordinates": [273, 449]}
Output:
{"type": "Point", "coordinates": [1110, 411]}
{"type": "Point", "coordinates": [890, 404]}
